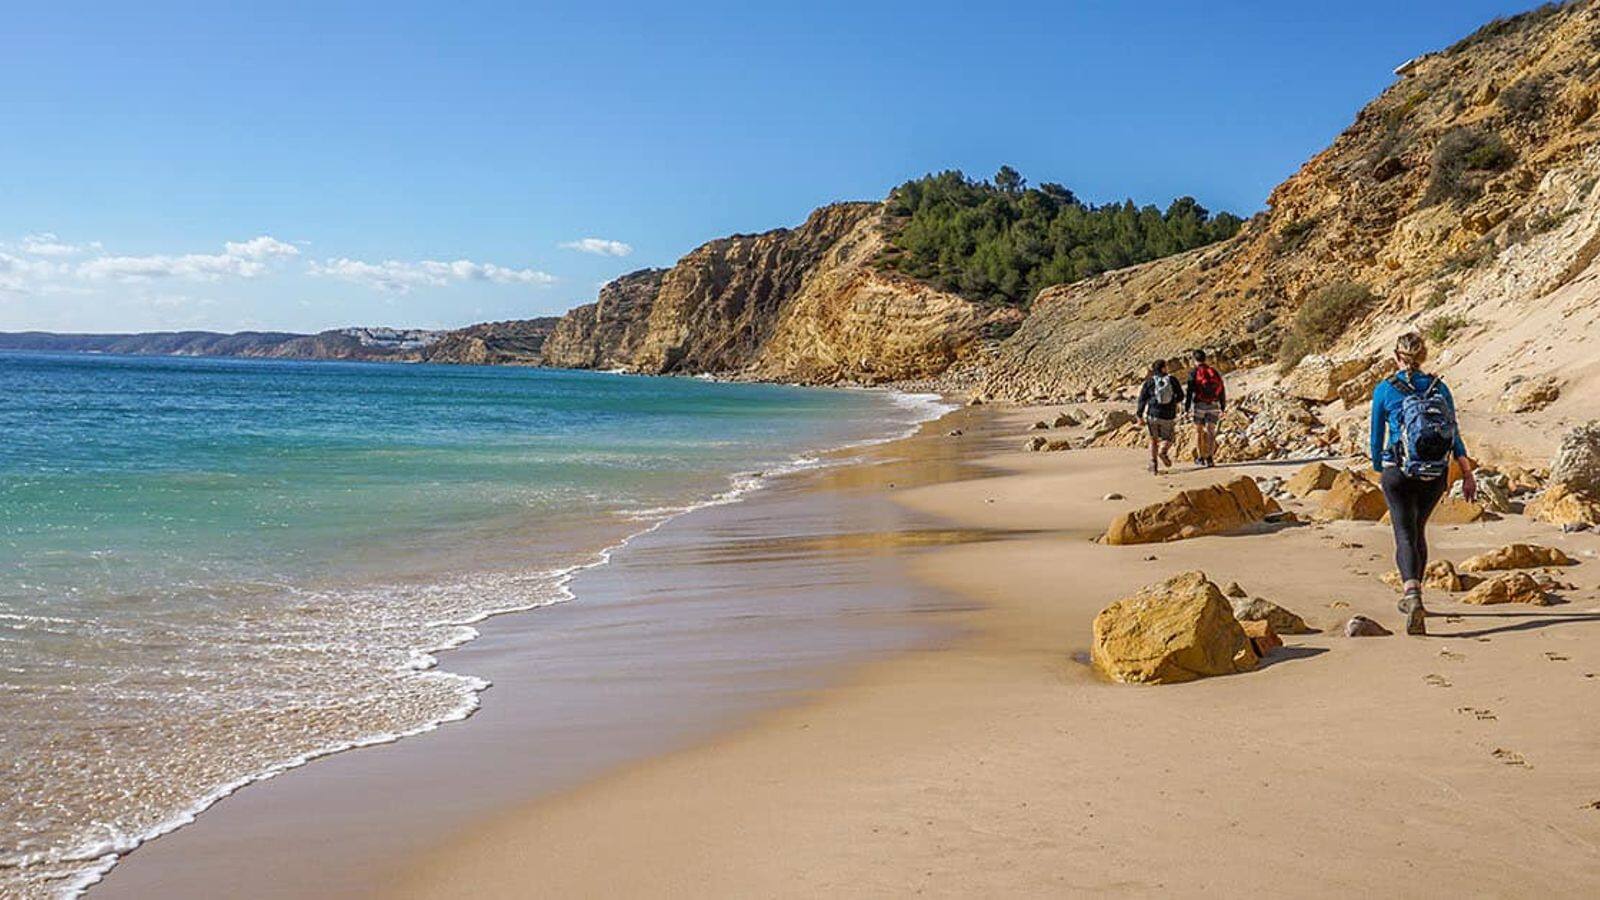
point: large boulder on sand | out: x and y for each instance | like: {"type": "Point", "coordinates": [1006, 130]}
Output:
{"type": "Point", "coordinates": [1517, 556]}
{"type": "Point", "coordinates": [1317, 476]}
{"type": "Point", "coordinates": [1516, 587]}
{"type": "Point", "coordinates": [1577, 462]}
{"type": "Point", "coordinates": [1562, 505]}
{"type": "Point", "coordinates": [1529, 394]}
{"type": "Point", "coordinates": [1179, 630]}
{"type": "Point", "coordinates": [1352, 497]}
{"type": "Point", "coordinates": [1259, 610]}
{"type": "Point", "coordinates": [1191, 513]}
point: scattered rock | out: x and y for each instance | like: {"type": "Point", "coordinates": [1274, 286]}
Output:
{"type": "Point", "coordinates": [1563, 505]}
{"type": "Point", "coordinates": [1574, 527]}
{"type": "Point", "coordinates": [1517, 556]}
{"type": "Point", "coordinates": [1260, 610]}
{"type": "Point", "coordinates": [1037, 443]}
{"type": "Point", "coordinates": [956, 432]}
{"type": "Point", "coordinates": [1109, 421]}
{"type": "Point", "coordinates": [1263, 639]}
{"type": "Point", "coordinates": [975, 401]}
{"type": "Point", "coordinates": [1494, 492]}
{"type": "Point", "coordinates": [1577, 462]}
{"type": "Point", "coordinates": [1352, 497]}
{"type": "Point", "coordinates": [1041, 426]}
{"type": "Point", "coordinates": [1235, 589]}
{"type": "Point", "coordinates": [1176, 631]}
{"type": "Point", "coordinates": [1517, 587]}
{"type": "Point", "coordinates": [1524, 394]}
{"type": "Point", "coordinates": [1058, 444]}
{"type": "Point", "coordinates": [1361, 626]}
{"type": "Point", "coordinates": [1520, 480]}
{"type": "Point", "coordinates": [1191, 513]}
{"type": "Point", "coordinates": [1440, 575]}
{"type": "Point", "coordinates": [1065, 420]}
{"type": "Point", "coordinates": [1315, 476]}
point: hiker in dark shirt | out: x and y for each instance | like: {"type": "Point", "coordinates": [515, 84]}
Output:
{"type": "Point", "coordinates": [1158, 410]}
{"type": "Point", "coordinates": [1206, 400]}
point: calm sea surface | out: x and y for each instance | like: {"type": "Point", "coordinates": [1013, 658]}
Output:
{"type": "Point", "coordinates": [212, 570]}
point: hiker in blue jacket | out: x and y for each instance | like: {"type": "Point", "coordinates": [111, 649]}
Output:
{"type": "Point", "coordinates": [1414, 439]}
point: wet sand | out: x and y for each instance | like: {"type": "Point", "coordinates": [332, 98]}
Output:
{"type": "Point", "coordinates": [676, 731]}
{"type": "Point", "coordinates": [692, 630]}
{"type": "Point", "coordinates": [999, 765]}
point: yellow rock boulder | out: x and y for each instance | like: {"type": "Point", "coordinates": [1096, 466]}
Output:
{"type": "Point", "coordinates": [1317, 476]}
{"type": "Point", "coordinates": [1352, 497]}
{"type": "Point", "coordinates": [1517, 587]}
{"type": "Point", "coordinates": [1561, 505]}
{"type": "Point", "coordinates": [1517, 556]}
{"type": "Point", "coordinates": [1191, 513]}
{"type": "Point", "coordinates": [1179, 630]}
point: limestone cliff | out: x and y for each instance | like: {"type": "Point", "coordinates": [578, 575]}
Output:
{"type": "Point", "coordinates": [1465, 193]}
{"type": "Point", "coordinates": [802, 304]}
{"type": "Point", "coordinates": [513, 343]}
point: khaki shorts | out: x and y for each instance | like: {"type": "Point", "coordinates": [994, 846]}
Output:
{"type": "Point", "coordinates": [1162, 429]}
{"type": "Point", "coordinates": [1207, 413]}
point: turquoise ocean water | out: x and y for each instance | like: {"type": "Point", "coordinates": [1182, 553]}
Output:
{"type": "Point", "coordinates": [212, 570]}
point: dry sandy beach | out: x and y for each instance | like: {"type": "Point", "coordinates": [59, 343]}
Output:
{"type": "Point", "coordinates": [993, 761]}
{"type": "Point", "coordinates": [1459, 763]}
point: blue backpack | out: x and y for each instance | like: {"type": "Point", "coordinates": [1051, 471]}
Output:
{"type": "Point", "coordinates": [1427, 430]}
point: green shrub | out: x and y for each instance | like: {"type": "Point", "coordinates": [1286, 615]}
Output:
{"type": "Point", "coordinates": [1322, 319]}
{"type": "Point", "coordinates": [1002, 241]}
{"type": "Point", "coordinates": [1293, 234]}
{"type": "Point", "coordinates": [1440, 328]}
{"type": "Point", "coordinates": [1459, 161]}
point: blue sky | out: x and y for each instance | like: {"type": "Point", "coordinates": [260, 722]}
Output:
{"type": "Point", "coordinates": [303, 166]}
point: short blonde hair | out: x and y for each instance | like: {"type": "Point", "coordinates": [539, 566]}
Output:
{"type": "Point", "coordinates": [1412, 349]}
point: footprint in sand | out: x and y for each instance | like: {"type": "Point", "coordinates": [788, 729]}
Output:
{"type": "Point", "coordinates": [1555, 657]}
{"type": "Point", "coordinates": [1482, 715]}
{"type": "Point", "coordinates": [1447, 653]}
{"type": "Point", "coordinates": [1452, 620]}
{"type": "Point", "coordinates": [1510, 757]}
{"type": "Point", "coordinates": [1437, 680]}
{"type": "Point", "coordinates": [1338, 604]}
{"type": "Point", "coordinates": [1594, 805]}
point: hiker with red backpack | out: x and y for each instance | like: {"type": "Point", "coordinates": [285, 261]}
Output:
{"type": "Point", "coordinates": [1206, 400]}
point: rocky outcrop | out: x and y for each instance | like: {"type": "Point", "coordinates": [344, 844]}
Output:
{"type": "Point", "coordinates": [1192, 513]}
{"type": "Point", "coordinates": [1577, 462]}
{"type": "Point", "coordinates": [1179, 630]}
{"type": "Point", "coordinates": [1517, 556]}
{"type": "Point", "coordinates": [607, 333]}
{"type": "Point", "coordinates": [1323, 379]}
{"type": "Point", "coordinates": [802, 304]}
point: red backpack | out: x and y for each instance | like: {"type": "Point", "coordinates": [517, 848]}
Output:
{"type": "Point", "coordinates": [1207, 384]}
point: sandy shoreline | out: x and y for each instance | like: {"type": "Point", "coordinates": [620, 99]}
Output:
{"type": "Point", "coordinates": [991, 762]}
{"type": "Point", "coordinates": [691, 629]}
{"type": "Point", "coordinates": [1456, 764]}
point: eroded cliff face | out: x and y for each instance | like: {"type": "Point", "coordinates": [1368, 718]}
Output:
{"type": "Point", "coordinates": [514, 343]}
{"type": "Point", "coordinates": [802, 304]}
{"type": "Point", "coordinates": [1467, 189]}
{"type": "Point", "coordinates": [606, 334]}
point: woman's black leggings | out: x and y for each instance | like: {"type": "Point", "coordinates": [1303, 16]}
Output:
{"type": "Point", "coordinates": [1411, 501]}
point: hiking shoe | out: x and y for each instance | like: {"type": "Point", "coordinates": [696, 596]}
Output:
{"type": "Point", "coordinates": [1166, 460]}
{"type": "Point", "coordinates": [1416, 615]}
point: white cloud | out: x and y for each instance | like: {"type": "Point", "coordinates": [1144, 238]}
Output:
{"type": "Point", "coordinates": [241, 259]}
{"type": "Point", "coordinates": [17, 273]}
{"type": "Point", "coordinates": [398, 276]}
{"type": "Point", "coordinates": [598, 246]}
{"type": "Point", "coordinates": [46, 243]}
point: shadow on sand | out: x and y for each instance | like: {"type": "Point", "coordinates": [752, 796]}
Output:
{"type": "Point", "coordinates": [1527, 621]}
